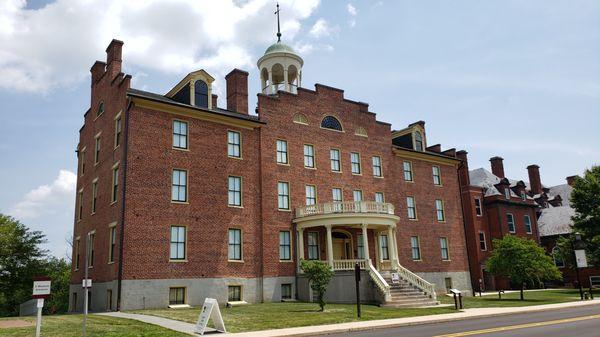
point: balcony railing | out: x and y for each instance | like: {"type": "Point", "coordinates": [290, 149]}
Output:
{"type": "Point", "coordinates": [345, 207]}
{"type": "Point", "coordinates": [349, 264]}
{"type": "Point", "coordinates": [272, 89]}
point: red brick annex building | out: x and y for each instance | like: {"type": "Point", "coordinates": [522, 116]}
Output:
{"type": "Point", "coordinates": [183, 198]}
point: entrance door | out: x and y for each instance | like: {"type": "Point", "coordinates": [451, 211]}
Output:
{"type": "Point", "coordinates": [339, 251]}
{"type": "Point", "coordinates": [342, 245]}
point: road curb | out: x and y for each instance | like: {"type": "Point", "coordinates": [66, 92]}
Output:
{"type": "Point", "coordinates": [331, 329]}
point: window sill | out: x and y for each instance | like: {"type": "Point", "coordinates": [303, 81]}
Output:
{"type": "Point", "coordinates": [283, 164]}
{"type": "Point", "coordinates": [435, 185]}
{"type": "Point", "coordinates": [417, 260]}
{"type": "Point", "coordinates": [186, 149]}
{"type": "Point", "coordinates": [286, 261]}
{"type": "Point", "coordinates": [235, 206]}
{"type": "Point", "coordinates": [236, 261]}
{"type": "Point", "coordinates": [111, 262]}
{"type": "Point", "coordinates": [180, 202]}
{"type": "Point", "coordinates": [446, 260]}
{"type": "Point", "coordinates": [336, 171]}
{"type": "Point", "coordinates": [284, 210]}
{"type": "Point", "coordinates": [409, 181]}
{"type": "Point", "coordinates": [178, 261]}
{"type": "Point", "coordinates": [113, 202]}
{"type": "Point", "coordinates": [310, 168]}
{"type": "Point", "coordinates": [378, 177]}
{"type": "Point", "coordinates": [413, 219]}
{"type": "Point", "coordinates": [234, 157]}
{"type": "Point", "coordinates": [116, 147]}
{"type": "Point", "coordinates": [93, 213]}
{"type": "Point", "coordinates": [357, 174]}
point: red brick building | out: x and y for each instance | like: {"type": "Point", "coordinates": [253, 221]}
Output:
{"type": "Point", "coordinates": [183, 199]}
{"type": "Point", "coordinates": [496, 206]}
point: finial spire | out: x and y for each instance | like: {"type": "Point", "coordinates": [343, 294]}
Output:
{"type": "Point", "coordinates": [278, 27]}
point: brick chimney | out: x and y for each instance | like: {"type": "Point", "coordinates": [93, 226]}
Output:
{"type": "Point", "coordinates": [571, 180]}
{"type": "Point", "coordinates": [237, 91]}
{"type": "Point", "coordinates": [463, 169]}
{"type": "Point", "coordinates": [535, 183]}
{"type": "Point", "coordinates": [497, 166]}
{"type": "Point", "coordinates": [214, 101]}
{"type": "Point", "coordinates": [114, 58]}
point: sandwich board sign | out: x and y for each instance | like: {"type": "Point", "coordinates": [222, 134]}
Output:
{"type": "Point", "coordinates": [210, 309]}
{"type": "Point", "coordinates": [395, 278]}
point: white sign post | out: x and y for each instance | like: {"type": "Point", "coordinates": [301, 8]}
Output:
{"type": "Point", "coordinates": [210, 309]}
{"type": "Point", "coordinates": [41, 290]}
{"type": "Point", "coordinates": [580, 258]}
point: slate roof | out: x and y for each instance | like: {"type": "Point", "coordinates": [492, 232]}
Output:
{"type": "Point", "coordinates": [164, 99]}
{"type": "Point", "coordinates": [486, 179]}
{"type": "Point", "coordinates": [557, 220]}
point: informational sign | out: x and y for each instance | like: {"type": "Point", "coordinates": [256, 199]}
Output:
{"type": "Point", "coordinates": [41, 289]}
{"type": "Point", "coordinates": [581, 258]}
{"type": "Point", "coordinates": [395, 278]}
{"type": "Point", "coordinates": [455, 291]}
{"type": "Point", "coordinates": [210, 309]}
{"type": "Point", "coordinates": [86, 283]}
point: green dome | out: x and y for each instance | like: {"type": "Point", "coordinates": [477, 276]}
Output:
{"type": "Point", "coordinates": [279, 47]}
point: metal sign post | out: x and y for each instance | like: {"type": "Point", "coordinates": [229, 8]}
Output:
{"type": "Point", "coordinates": [41, 290]}
{"type": "Point", "coordinates": [85, 283]}
{"type": "Point", "coordinates": [357, 281]}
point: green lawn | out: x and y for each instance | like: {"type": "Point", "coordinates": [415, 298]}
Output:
{"type": "Point", "coordinates": [512, 299]}
{"type": "Point", "coordinates": [265, 316]}
{"type": "Point", "coordinates": [70, 326]}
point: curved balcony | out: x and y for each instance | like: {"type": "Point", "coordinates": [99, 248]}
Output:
{"type": "Point", "coordinates": [345, 207]}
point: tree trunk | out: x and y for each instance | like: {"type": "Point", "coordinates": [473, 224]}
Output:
{"type": "Point", "coordinates": [522, 286]}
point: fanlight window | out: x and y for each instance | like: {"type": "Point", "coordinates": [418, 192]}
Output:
{"type": "Point", "coordinates": [332, 123]}
{"type": "Point", "coordinates": [300, 119]}
{"type": "Point", "coordinates": [418, 141]}
{"type": "Point", "coordinates": [360, 131]}
{"type": "Point", "coordinates": [201, 94]}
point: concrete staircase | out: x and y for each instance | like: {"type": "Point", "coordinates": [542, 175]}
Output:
{"type": "Point", "coordinates": [405, 295]}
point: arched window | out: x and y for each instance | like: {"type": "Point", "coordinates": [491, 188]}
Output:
{"type": "Point", "coordinates": [100, 109]}
{"type": "Point", "coordinates": [330, 122]}
{"type": "Point", "coordinates": [300, 119]}
{"type": "Point", "coordinates": [201, 94]}
{"type": "Point", "coordinates": [557, 255]}
{"type": "Point", "coordinates": [418, 141]}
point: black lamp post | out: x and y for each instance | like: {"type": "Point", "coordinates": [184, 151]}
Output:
{"type": "Point", "coordinates": [576, 245]}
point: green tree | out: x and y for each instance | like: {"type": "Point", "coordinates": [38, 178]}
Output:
{"type": "Point", "coordinates": [21, 259]}
{"type": "Point", "coordinates": [585, 199]}
{"type": "Point", "coordinates": [521, 260]}
{"type": "Point", "coordinates": [319, 274]}
{"type": "Point", "coordinates": [59, 271]}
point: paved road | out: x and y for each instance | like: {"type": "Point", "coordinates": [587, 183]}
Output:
{"type": "Point", "coordinates": [572, 322]}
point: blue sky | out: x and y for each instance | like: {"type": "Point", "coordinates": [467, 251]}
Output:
{"type": "Point", "coordinates": [519, 79]}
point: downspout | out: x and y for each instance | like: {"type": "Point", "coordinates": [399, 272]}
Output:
{"type": "Point", "coordinates": [122, 236]}
{"type": "Point", "coordinates": [462, 209]}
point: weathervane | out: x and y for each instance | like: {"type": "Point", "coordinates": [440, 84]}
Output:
{"type": "Point", "coordinates": [278, 28]}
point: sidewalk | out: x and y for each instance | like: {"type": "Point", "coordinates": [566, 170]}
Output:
{"type": "Point", "coordinates": [188, 328]}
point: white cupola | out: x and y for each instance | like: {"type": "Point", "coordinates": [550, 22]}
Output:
{"type": "Point", "coordinates": [280, 67]}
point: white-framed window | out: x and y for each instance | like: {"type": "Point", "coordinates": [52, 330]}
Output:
{"type": "Point", "coordinates": [80, 201]}
{"type": "Point", "coordinates": [283, 195]}
{"type": "Point", "coordinates": [97, 150]}
{"type": "Point", "coordinates": [94, 195]}
{"type": "Point", "coordinates": [383, 245]}
{"type": "Point", "coordinates": [439, 209]}
{"type": "Point", "coordinates": [285, 246]}
{"type": "Point", "coordinates": [234, 144]}
{"type": "Point", "coordinates": [355, 162]}
{"type": "Point", "coordinates": [357, 195]}
{"type": "Point", "coordinates": [235, 244]}
{"type": "Point", "coordinates": [311, 195]}
{"type": "Point", "coordinates": [418, 141]}
{"type": "Point", "coordinates": [82, 160]}
{"type": "Point", "coordinates": [482, 242]}
{"type": "Point", "coordinates": [444, 249]}
{"type": "Point", "coordinates": [234, 293]}
{"type": "Point", "coordinates": [408, 174]}
{"type": "Point", "coordinates": [313, 245]}
{"type": "Point", "coordinates": [507, 193]}
{"type": "Point", "coordinates": [437, 175]}
{"type": "Point", "coordinates": [77, 254]}
{"type": "Point", "coordinates": [334, 156]}
{"type": "Point", "coordinates": [361, 246]}
{"type": "Point", "coordinates": [415, 248]}
{"type": "Point", "coordinates": [100, 110]}
{"type": "Point", "coordinates": [118, 130]}
{"type": "Point", "coordinates": [286, 291]}
{"type": "Point", "coordinates": [377, 167]}
{"type": "Point", "coordinates": [309, 156]}
{"type": "Point", "coordinates": [478, 209]}
{"type": "Point", "coordinates": [91, 249]}
{"type": "Point", "coordinates": [523, 196]}
{"type": "Point", "coordinates": [411, 208]}
{"type": "Point", "coordinates": [336, 194]}
{"type": "Point", "coordinates": [379, 197]}
{"type": "Point", "coordinates": [180, 134]}
{"type": "Point", "coordinates": [234, 193]}
{"type": "Point", "coordinates": [176, 295]}
{"type": "Point", "coordinates": [282, 152]}
{"type": "Point", "coordinates": [112, 242]}
{"type": "Point", "coordinates": [527, 221]}
{"type": "Point", "coordinates": [178, 238]}
{"type": "Point", "coordinates": [510, 220]}
{"type": "Point", "coordinates": [115, 184]}
{"type": "Point", "coordinates": [179, 186]}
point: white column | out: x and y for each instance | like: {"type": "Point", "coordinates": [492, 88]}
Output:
{"type": "Point", "coordinates": [329, 246]}
{"type": "Point", "coordinates": [365, 241]}
{"type": "Point", "coordinates": [285, 80]}
{"type": "Point", "coordinates": [300, 246]}
{"type": "Point", "coordinates": [391, 245]}
{"type": "Point", "coordinates": [271, 83]}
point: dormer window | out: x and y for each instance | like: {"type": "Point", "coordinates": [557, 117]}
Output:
{"type": "Point", "coordinates": [507, 193]}
{"type": "Point", "coordinates": [418, 141]}
{"type": "Point", "coordinates": [523, 196]}
{"type": "Point", "coordinates": [201, 94]}
{"type": "Point", "coordinates": [100, 109]}
{"type": "Point", "coordinates": [330, 122]}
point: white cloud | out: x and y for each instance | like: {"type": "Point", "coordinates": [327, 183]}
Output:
{"type": "Point", "coordinates": [57, 197]}
{"type": "Point", "coordinates": [321, 29]}
{"type": "Point", "coordinates": [51, 47]}
{"type": "Point", "coordinates": [353, 12]}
